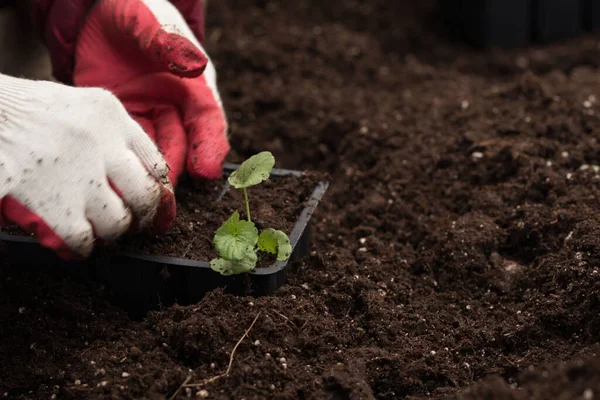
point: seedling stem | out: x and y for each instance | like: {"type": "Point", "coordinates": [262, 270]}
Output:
{"type": "Point", "coordinates": [247, 204]}
{"type": "Point", "coordinates": [237, 241]}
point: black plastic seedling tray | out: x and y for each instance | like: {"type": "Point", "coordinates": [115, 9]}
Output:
{"type": "Point", "coordinates": [140, 283]}
{"type": "Point", "coordinates": [510, 23]}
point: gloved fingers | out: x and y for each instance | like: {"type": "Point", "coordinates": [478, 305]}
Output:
{"type": "Point", "coordinates": [194, 12]}
{"type": "Point", "coordinates": [3, 220]}
{"type": "Point", "coordinates": [142, 144]}
{"type": "Point", "coordinates": [207, 146]}
{"type": "Point", "coordinates": [206, 125]}
{"type": "Point", "coordinates": [176, 54]}
{"type": "Point", "coordinates": [133, 20]}
{"type": "Point", "coordinates": [105, 210]}
{"type": "Point", "coordinates": [171, 140]}
{"type": "Point", "coordinates": [146, 124]}
{"type": "Point", "coordinates": [138, 187]}
{"type": "Point", "coordinates": [164, 126]}
{"type": "Point", "coordinates": [144, 147]}
{"type": "Point", "coordinates": [7, 176]}
{"type": "Point", "coordinates": [71, 237]}
{"type": "Point", "coordinates": [7, 182]}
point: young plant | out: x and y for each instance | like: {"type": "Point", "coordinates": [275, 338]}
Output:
{"type": "Point", "coordinates": [237, 241]}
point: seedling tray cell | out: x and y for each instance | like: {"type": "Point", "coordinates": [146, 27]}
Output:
{"type": "Point", "coordinates": [141, 282]}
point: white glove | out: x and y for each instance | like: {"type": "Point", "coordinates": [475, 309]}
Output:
{"type": "Point", "coordinates": [61, 149]}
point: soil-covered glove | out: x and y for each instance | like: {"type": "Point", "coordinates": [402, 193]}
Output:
{"type": "Point", "coordinates": [58, 22]}
{"type": "Point", "coordinates": [146, 54]}
{"type": "Point", "coordinates": [74, 167]}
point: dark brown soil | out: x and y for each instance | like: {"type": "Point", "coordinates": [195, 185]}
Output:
{"type": "Point", "coordinates": [456, 253]}
{"type": "Point", "coordinates": [202, 207]}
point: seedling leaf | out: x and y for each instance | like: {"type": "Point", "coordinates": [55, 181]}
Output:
{"type": "Point", "coordinates": [275, 242]}
{"type": "Point", "coordinates": [253, 171]}
{"type": "Point", "coordinates": [231, 267]}
{"type": "Point", "coordinates": [233, 239]}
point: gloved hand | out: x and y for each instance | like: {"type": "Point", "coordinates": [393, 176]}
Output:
{"type": "Point", "coordinates": [66, 156]}
{"type": "Point", "coordinates": [161, 75]}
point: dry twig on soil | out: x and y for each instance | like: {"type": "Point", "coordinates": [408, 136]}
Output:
{"type": "Point", "coordinates": [186, 383]}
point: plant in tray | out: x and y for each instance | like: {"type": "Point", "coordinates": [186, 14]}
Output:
{"type": "Point", "coordinates": [237, 241]}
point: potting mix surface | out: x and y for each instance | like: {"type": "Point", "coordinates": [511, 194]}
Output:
{"type": "Point", "coordinates": [202, 208]}
{"type": "Point", "coordinates": [456, 253]}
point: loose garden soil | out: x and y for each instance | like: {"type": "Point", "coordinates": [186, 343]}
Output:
{"type": "Point", "coordinates": [456, 254]}
{"type": "Point", "coordinates": [202, 207]}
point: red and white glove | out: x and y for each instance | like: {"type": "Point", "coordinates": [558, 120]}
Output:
{"type": "Point", "coordinates": [74, 167]}
{"type": "Point", "coordinates": [121, 45]}
{"type": "Point", "coordinates": [59, 22]}
{"type": "Point", "coordinates": [144, 52]}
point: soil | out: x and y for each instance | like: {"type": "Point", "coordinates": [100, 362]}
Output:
{"type": "Point", "coordinates": [455, 255]}
{"type": "Point", "coordinates": [202, 207]}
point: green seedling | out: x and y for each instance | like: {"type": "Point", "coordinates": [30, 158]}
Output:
{"type": "Point", "coordinates": [237, 241]}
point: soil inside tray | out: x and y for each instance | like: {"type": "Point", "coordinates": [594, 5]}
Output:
{"type": "Point", "coordinates": [456, 253]}
{"type": "Point", "coordinates": [202, 207]}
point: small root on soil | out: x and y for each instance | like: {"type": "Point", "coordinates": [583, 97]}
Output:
{"type": "Point", "coordinates": [186, 383]}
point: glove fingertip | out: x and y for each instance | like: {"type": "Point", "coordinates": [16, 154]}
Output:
{"type": "Point", "coordinates": [178, 55]}
{"type": "Point", "coordinates": [207, 154]}
{"type": "Point", "coordinates": [209, 172]}
{"type": "Point", "coordinates": [13, 210]}
{"type": "Point", "coordinates": [203, 166]}
{"type": "Point", "coordinates": [3, 220]}
{"type": "Point", "coordinates": [166, 213]}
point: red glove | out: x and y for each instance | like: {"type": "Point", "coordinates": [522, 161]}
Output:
{"type": "Point", "coordinates": [122, 47]}
{"type": "Point", "coordinates": [59, 22]}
